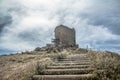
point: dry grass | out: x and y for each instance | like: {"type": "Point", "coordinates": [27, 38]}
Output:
{"type": "Point", "coordinates": [21, 66]}
{"type": "Point", "coordinates": [107, 65]}
{"type": "Point", "coordinates": [63, 54]}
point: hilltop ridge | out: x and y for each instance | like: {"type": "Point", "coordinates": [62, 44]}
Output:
{"type": "Point", "coordinates": [27, 64]}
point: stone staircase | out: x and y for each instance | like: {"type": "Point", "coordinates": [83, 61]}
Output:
{"type": "Point", "coordinates": [73, 67]}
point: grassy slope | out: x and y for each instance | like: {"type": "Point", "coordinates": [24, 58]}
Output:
{"type": "Point", "coordinates": [23, 66]}
{"type": "Point", "coordinates": [107, 65]}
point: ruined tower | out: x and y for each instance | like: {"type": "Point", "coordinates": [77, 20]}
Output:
{"type": "Point", "coordinates": [64, 36]}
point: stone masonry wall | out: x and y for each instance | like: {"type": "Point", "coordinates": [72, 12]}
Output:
{"type": "Point", "coordinates": [65, 36]}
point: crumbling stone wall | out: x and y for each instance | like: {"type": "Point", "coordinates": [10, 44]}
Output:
{"type": "Point", "coordinates": [64, 36]}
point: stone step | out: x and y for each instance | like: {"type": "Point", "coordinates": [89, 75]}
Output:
{"type": "Point", "coordinates": [67, 71]}
{"type": "Point", "coordinates": [78, 61]}
{"type": "Point", "coordinates": [81, 55]}
{"type": "Point", "coordinates": [70, 63]}
{"type": "Point", "coordinates": [68, 67]}
{"type": "Point", "coordinates": [64, 77]}
{"type": "Point", "coordinates": [66, 59]}
{"type": "Point", "coordinates": [69, 59]}
{"type": "Point", "coordinates": [77, 56]}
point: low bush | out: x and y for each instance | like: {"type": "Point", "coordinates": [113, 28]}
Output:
{"type": "Point", "coordinates": [107, 65]}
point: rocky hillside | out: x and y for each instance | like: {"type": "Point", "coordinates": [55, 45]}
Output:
{"type": "Point", "coordinates": [69, 64]}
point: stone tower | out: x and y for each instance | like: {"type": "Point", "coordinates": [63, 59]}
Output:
{"type": "Point", "coordinates": [64, 36]}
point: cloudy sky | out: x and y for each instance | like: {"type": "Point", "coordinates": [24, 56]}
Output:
{"type": "Point", "coordinates": [26, 24]}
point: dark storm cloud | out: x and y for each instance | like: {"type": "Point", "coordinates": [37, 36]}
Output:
{"type": "Point", "coordinates": [112, 45]}
{"type": "Point", "coordinates": [106, 14]}
{"type": "Point", "coordinates": [112, 23]}
{"type": "Point", "coordinates": [4, 20]}
{"type": "Point", "coordinates": [112, 42]}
